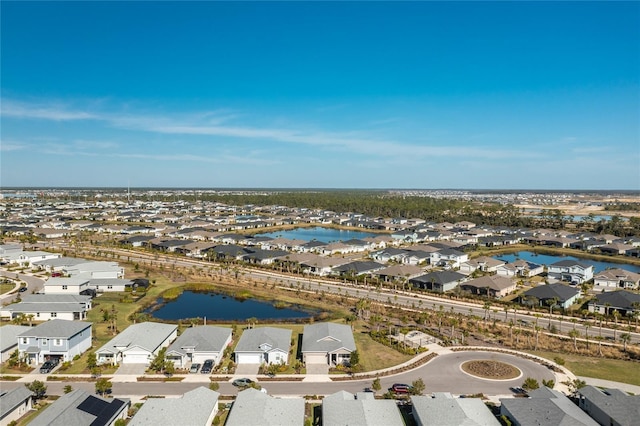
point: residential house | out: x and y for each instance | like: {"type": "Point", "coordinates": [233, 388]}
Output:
{"type": "Point", "coordinates": [252, 407]}
{"type": "Point", "coordinates": [27, 258]}
{"type": "Point", "coordinates": [9, 339]}
{"type": "Point", "coordinates": [137, 344]}
{"type": "Point", "coordinates": [495, 286]}
{"type": "Point", "coordinates": [14, 404]}
{"type": "Point", "coordinates": [400, 273]}
{"type": "Point", "coordinates": [197, 344]}
{"type": "Point", "coordinates": [43, 307]}
{"type": "Point", "coordinates": [623, 301]}
{"type": "Point", "coordinates": [63, 285]}
{"type": "Point", "coordinates": [79, 407]}
{"type": "Point", "coordinates": [520, 268]}
{"type": "Point", "coordinates": [361, 409]}
{"type": "Point", "coordinates": [448, 257]}
{"type": "Point", "coordinates": [616, 248]}
{"type": "Point", "coordinates": [617, 278]}
{"type": "Point", "coordinates": [263, 345]}
{"type": "Point", "coordinates": [483, 263]}
{"type": "Point", "coordinates": [564, 295]}
{"type": "Point", "coordinates": [95, 270]}
{"type": "Point", "coordinates": [58, 338]}
{"type": "Point", "coordinates": [544, 407]}
{"type": "Point", "coordinates": [327, 343]}
{"type": "Point", "coordinates": [440, 281]}
{"type": "Point", "coordinates": [320, 265]}
{"type": "Point", "coordinates": [571, 271]}
{"type": "Point", "coordinates": [197, 407]}
{"type": "Point", "coordinates": [357, 268]}
{"type": "Point", "coordinates": [389, 254]}
{"type": "Point", "coordinates": [610, 407]}
{"type": "Point", "coordinates": [444, 410]}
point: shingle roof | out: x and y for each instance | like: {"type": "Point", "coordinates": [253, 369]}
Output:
{"type": "Point", "coordinates": [147, 335]}
{"type": "Point", "coordinates": [9, 400]}
{"type": "Point", "coordinates": [9, 335]}
{"type": "Point", "coordinates": [327, 337]}
{"type": "Point", "coordinates": [362, 409]}
{"type": "Point", "coordinates": [621, 408]}
{"type": "Point", "coordinates": [618, 299]}
{"type": "Point", "coordinates": [191, 409]}
{"type": "Point", "coordinates": [57, 328]}
{"type": "Point", "coordinates": [253, 407]}
{"type": "Point", "coordinates": [80, 408]}
{"type": "Point", "coordinates": [204, 338]}
{"type": "Point", "coordinates": [549, 291]}
{"type": "Point", "coordinates": [275, 338]}
{"type": "Point", "coordinates": [444, 410]}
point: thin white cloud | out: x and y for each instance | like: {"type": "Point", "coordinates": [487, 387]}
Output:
{"type": "Point", "coordinates": [7, 146]}
{"type": "Point", "coordinates": [211, 123]}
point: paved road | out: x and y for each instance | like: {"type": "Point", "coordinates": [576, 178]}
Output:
{"type": "Point", "coordinates": [442, 374]}
{"type": "Point", "coordinates": [34, 284]}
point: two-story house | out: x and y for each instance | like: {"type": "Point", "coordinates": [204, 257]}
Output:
{"type": "Point", "coordinates": [58, 339]}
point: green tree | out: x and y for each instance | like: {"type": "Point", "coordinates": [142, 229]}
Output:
{"type": "Point", "coordinates": [530, 384]}
{"type": "Point", "coordinates": [375, 385]}
{"type": "Point", "coordinates": [92, 360]}
{"type": "Point", "coordinates": [67, 389]}
{"type": "Point", "coordinates": [355, 358]}
{"type": "Point", "coordinates": [417, 387]}
{"type": "Point", "coordinates": [103, 386]}
{"type": "Point", "coordinates": [214, 386]}
{"type": "Point", "coordinates": [38, 388]}
{"type": "Point", "coordinates": [548, 383]}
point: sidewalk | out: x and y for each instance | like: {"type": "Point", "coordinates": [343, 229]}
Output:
{"type": "Point", "coordinates": [608, 384]}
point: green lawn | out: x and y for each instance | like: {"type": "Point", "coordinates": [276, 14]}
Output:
{"type": "Point", "coordinates": [6, 287]}
{"type": "Point", "coordinates": [376, 356]}
{"type": "Point", "coordinates": [599, 368]}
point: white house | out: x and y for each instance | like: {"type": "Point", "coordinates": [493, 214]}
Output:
{"type": "Point", "coordinates": [450, 257]}
{"type": "Point", "coordinates": [14, 404]}
{"type": "Point", "coordinates": [57, 338]}
{"type": "Point", "coordinates": [571, 271]}
{"type": "Point", "coordinates": [268, 345]}
{"type": "Point", "coordinates": [617, 278]}
{"type": "Point", "coordinates": [327, 343]}
{"type": "Point", "coordinates": [96, 270]}
{"type": "Point", "coordinates": [9, 339]}
{"type": "Point", "coordinates": [43, 307]}
{"type": "Point", "coordinates": [60, 285]}
{"type": "Point", "coordinates": [137, 344]}
{"type": "Point", "coordinates": [197, 344]}
{"type": "Point", "coordinates": [27, 258]}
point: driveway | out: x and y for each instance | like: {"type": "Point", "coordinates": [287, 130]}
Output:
{"type": "Point", "coordinates": [319, 368]}
{"type": "Point", "coordinates": [247, 369]}
{"type": "Point", "coordinates": [131, 369]}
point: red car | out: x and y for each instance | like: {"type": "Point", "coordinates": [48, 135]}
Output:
{"type": "Point", "coordinates": [400, 388]}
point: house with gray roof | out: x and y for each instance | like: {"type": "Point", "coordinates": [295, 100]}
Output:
{"type": "Point", "coordinates": [495, 286]}
{"type": "Point", "coordinates": [43, 307]}
{"type": "Point", "coordinates": [361, 409]}
{"type": "Point", "coordinates": [616, 278]}
{"type": "Point", "coordinates": [197, 407]}
{"type": "Point", "coordinates": [444, 410]}
{"type": "Point", "coordinates": [79, 407]}
{"type": "Point", "coordinates": [610, 407]}
{"type": "Point", "coordinates": [571, 271]}
{"type": "Point", "coordinates": [268, 345]}
{"type": "Point", "coordinates": [544, 407]}
{"type": "Point", "coordinates": [327, 343]}
{"type": "Point", "coordinates": [253, 407]}
{"type": "Point", "coordinates": [58, 338]}
{"type": "Point", "coordinates": [623, 301]}
{"type": "Point", "coordinates": [440, 281]}
{"type": "Point", "coordinates": [14, 404]}
{"type": "Point", "coordinates": [564, 295]}
{"type": "Point", "coordinates": [9, 339]}
{"type": "Point", "coordinates": [197, 344]}
{"type": "Point", "coordinates": [65, 285]}
{"type": "Point", "coordinates": [137, 344]}
{"type": "Point", "coordinates": [358, 267]}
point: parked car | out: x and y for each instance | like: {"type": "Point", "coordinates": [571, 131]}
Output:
{"type": "Point", "coordinates": [22, 289]}
{"type": "Point", "coordinates": [400, 388]}
{"type": "Point", "coordinates": [242, 383]}
{"type": "Point", "coordinates": [195, 367]}
{"type": "Point", "coordinates": [207, 366]}
{"type": "Point", "coordinates": [47, 367]}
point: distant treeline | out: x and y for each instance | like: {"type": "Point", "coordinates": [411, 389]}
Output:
{"type": "Point", "coordinates": [622, 207]}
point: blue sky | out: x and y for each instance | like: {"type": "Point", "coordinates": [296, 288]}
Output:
{"type": "Point", "coordinates": [479, 95]}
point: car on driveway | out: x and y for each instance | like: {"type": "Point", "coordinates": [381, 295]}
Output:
{"type": "Point", "coordinates": [242, 383]}
{"type": "Point", "coordinates": [195, 367]}
{"type": "Point", "coordinates": [207, 367]}
{"type": "Point", "coordinates": [47, 367]}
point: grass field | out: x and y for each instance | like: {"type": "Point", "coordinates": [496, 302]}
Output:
{"type": "Point", "coordinates": [374, 355]}
{"type": "Point", "coordinates": [598, 368]}
{"type": "Point", "coordinates": [6, 287]}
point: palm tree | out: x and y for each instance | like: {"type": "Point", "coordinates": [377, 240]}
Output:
{"type": "Point", "coordinates": [486, 307]}
{"type": "Point", "coordinates": [586, 333]}
{"type": "Point", "coordinates": [626, 338]}
{"type": "Point", "coordinates": [552, 303]}
{"type": "Point", "coordinates": [574, 335]}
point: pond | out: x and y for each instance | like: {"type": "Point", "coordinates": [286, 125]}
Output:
{"type": "Point", "coordinates": [222, 307]}
{"type": "Point", "coordinates": [546, 259]}
{"type": "Point", "coordinates": [318, 233]}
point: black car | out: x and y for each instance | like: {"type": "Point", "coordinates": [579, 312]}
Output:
{"type": "Point", "coordinates": [22, 289]}
{"type": "Point", "coordinates": [207, 366]}
{"type": "Point", "coordinates": [47, 367]}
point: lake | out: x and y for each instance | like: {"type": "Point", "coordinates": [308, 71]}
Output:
{"type": "Point", "coordinates": [546, 259]}
{"type": "Point", "coordinates": [318, 233]}
{"type": "Point", "coordinates": [222, 307]}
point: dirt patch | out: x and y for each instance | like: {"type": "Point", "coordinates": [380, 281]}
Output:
{"type": "Point", "coordinates": [488, 369]}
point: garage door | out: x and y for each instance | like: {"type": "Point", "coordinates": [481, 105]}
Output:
{"type": "Point", "coordinates": [133, 358]}
{"type": "Point", "coordinates": [316, 359]}
{"type": "Point", "coordinates": [249, 358]}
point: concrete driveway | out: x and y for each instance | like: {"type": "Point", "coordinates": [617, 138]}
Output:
{"type": "Point", "coordinates": [319, 368]}
{"type": "Point", "coordinates": [131, 369]}
{"type": "Point", "coordinates": [247, 370]}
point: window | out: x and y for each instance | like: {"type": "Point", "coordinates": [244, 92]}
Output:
{"type": "Point", "coordinates": [25, 340]}
{"type": "Point", "coordinates": [109, 287]}
{"type": "Point", "coordinates": [37, 314]}
{"type": "Point", "coordinates": [57, 342]}
{"type": "Point", "coordinates": [43, 342]}
{"type": "Point", "coordinates": [54, 314]}
{"type": "Point", "coordinates": [64, 287]}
